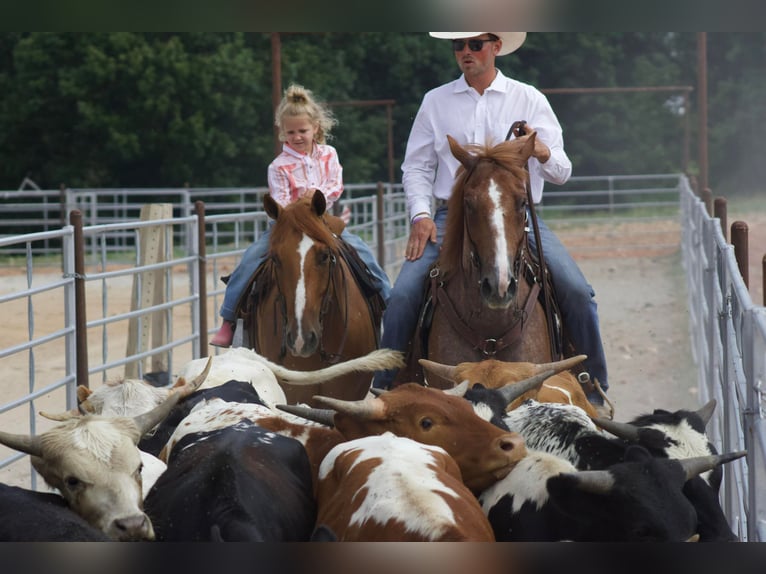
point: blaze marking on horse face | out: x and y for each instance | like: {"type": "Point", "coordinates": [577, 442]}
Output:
{"type": "Point", "coordinates": [300, 288]}
{"type": "Point", "coordinates": [497, 225]}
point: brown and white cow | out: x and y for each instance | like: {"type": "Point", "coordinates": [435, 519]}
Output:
{"type": "Point", "coordinates": [393, 489]}
{"type": "Point", "coordinates": [561, 387]}
{"type": "Point", "coordinates": [95, 464]}
{"type": "Point", "coordinates": [484, 453]}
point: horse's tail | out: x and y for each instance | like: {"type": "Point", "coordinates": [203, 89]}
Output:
{"type": "Point", "coordinates": [377, 360]}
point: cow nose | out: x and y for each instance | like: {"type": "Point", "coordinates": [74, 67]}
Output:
{"type": "Point", "coordinates": [513, 444]}
{"type": "Point", "coordinates": [136, 527]}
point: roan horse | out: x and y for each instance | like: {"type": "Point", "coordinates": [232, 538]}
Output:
{"type": "Point", "coordinates": [307, 310]}
{"type": "Point", "coordinates": [482, 296]}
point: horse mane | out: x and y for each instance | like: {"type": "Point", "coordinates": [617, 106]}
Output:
{"type": "Point", "coordinates": [300, 217]}
{"type": "Point", "coordinates": [506, 155]}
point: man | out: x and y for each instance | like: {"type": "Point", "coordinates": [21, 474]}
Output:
{"type": "Point", "coordinates": [479, 107]}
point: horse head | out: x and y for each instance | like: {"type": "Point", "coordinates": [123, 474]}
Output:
{"type": "Point", "coordinates": [486, 222]}
{"type": "Point", "coordinates": [304, 253]}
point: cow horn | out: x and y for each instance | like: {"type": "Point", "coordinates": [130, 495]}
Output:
{"type": "Point", "coordinates": [447, 372]}
{"type": "Point", "coordinates": [322, 416]}
{"type": "Point", "coordinates": [184, 389]}
{"type": "Point", "coordinates": [706, 411]}
{"type": "Point", "coordinates": [458, 390]}
{"type": "Point", "coordinates": [371, 409]}
{"type": "Point", "coordinates": [24, 443]}
{"type": "Point", "coordinates": [699, 464]}
{"type": "Point", "coordinates": [562, 365]}
{"type": "Point", "coordinates": [151, 419]}
{"type": "Point", "coordinates": [375, 392]}
{"type": "Point", "coordinates": [60, 417]}
{"type": "Point", "coordinates": [625, 431]}
{"type": "Point", "coordinates": [594, 481]}
{"type": "Point", "coordinates": [513, 391]}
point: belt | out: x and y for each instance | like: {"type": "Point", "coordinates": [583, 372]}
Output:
{"type": "Point", "coordinates": [440, 202]}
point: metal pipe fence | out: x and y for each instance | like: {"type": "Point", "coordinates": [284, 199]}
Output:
{"type": "Point", "coordinates": [728, 334]}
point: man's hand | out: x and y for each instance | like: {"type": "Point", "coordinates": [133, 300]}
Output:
{"type": "Point", "coordinates": [542, 152]}
{"type": "Point", "coordinates": [422, 231]}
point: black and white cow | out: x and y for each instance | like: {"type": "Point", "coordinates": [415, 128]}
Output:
{"type": "Point", "coordinates": [545, 498]}
{"type": "Point", "coordinates": [236, 483]}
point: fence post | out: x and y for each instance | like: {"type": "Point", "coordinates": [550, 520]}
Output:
{"type": "Point", "coordinates": [81, 318]}
{"type": "Point", "coordinates": [199, 207]}
{"type": "Point", "coordinates": [739, 241]}
{"type": "Point", "coordinates": [707, 198]}
{"type": "Point", "coordinates": [149, 290]}
{"type": "Point", "coordinates": [719, 209]}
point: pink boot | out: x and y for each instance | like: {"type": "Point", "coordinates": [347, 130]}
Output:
{"type": "Point", "coordinates": [224, 335]}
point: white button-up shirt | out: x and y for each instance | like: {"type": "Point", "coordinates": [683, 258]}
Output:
{"type": "Point", "coordinates": [456, 109]}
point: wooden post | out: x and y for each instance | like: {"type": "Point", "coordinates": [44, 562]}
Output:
{"type": "Point", "coordinates": [739, 241]}
{"type": "Point", "coordinates": [707, 198]}
{"type": "Point", "coordinates": [381, 223]}
{"type": "Point", "coordinates": [152, 292]}
{"type": "Point", "coordinates": [719, 208]}
{"type": "Point", "coordinates": [199, 207]}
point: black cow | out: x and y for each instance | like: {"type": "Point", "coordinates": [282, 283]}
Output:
{"type": "Point", "coordinates": [544, 498]}
{"type": "Point", "coordinates": [29, 516]}
{"type": "Point", "coordinates": [238, 483]}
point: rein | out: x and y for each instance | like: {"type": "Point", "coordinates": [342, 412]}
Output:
{"type": "Point", "coordinates": [518, 127]}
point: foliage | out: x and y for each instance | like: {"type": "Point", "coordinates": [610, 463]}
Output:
{"type": "Point", "coordinates": [163, 109]}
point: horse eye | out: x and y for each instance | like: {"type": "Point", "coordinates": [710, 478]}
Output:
{"type": "Point", "coordinates": [426, 424]}
{"type": "Point", "coordinates": [323, 256]}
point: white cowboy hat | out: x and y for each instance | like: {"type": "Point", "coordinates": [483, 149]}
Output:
{"type": "Point", "coordinates": [512, 41]}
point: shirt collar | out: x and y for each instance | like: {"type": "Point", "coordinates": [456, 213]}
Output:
{"type": "Point", "coordinates": [295, 153]}
{"type": "Point", "coordinates": [499, 84]}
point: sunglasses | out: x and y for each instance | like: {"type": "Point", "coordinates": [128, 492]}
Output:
{"type": "Point", "coordinates": [474, 45]}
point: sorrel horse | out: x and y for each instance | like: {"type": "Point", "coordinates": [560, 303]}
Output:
{"type": "Point", "coordinates": [307, 310]}
{"type": "Point", "coordinates": [482, 299]}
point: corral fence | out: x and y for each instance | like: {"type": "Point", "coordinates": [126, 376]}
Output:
{"type": "Point", "coordinates": [728, 336]}
{"type": "Point", "coordinates": [83, 250]}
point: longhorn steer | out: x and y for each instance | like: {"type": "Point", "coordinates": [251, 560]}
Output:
{"type": "Point", "coordinates": [94, 462]}
{"type": "Point", "coordinates": [483, 452]}
{"type": "Point", "coordinates": [238, 483]}
{"type": "Point", "coordinates": [545, 498]}
{"type": "Point", "coordinates": [561, 387]}
{"type": "Point", "coordinates": [394, 489]}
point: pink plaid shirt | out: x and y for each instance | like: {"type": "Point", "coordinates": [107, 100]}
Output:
{"type": "Point", "coordinates": [292, 172]}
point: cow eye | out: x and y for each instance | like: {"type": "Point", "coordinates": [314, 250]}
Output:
{"type": "Point", "coordinates": [72, 482]}
{"type": "Point", "coordinates": [426, 423]}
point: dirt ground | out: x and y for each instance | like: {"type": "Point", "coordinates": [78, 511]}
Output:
{"type": "Point", "coordinates": [640, 289]}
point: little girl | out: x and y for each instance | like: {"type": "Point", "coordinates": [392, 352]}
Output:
{"type": "Point", "coordinates": [306, 164]}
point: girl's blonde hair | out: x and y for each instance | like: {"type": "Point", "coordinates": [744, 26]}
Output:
{"type": "Point", "coordinates": [298, 101]}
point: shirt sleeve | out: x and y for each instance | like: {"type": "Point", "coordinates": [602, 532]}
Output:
{"type": "Point", "coordinates": [420, 161]}
{"type": "Point", "coordinates": [558, 168]}
{"type": "Point", "coordinates": [332, 182]}
{"type": "Point", "coordinates": [279, 184]}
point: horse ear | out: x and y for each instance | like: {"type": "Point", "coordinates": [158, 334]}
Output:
{"type": "Point", "coordinates": [529, 146]}
{"type": "Point", "coordinates": [271, 207]}
{"type": "Point", "coordinates": [319, 203]}
{"type": "Point", "coordinates": [461, 154]}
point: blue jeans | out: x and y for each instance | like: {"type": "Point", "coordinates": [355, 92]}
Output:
{"type": "Point", "coordinates": [256, 254]}
{"type": "Point", "coordinates": [573, 292]}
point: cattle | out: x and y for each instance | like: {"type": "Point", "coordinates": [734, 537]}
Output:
{"type": "Point", "coordinates": [545, 498]}
{"type": "Point", "coordinates": [561, 387]}
{"type": "Point", "coordinates": [566, 431]}
{"type": "Point", "coordinates": [29, 516]}
{"type": "Point", "coordinates": [93, 461]}
{"type": "Point", "coordinates": [215, 414]}
{"type": "Point", "coordinates": [237, 483]}
{"type": "Point", "coordinates": [483, 452]}
{"type": "Point", "coordinates": [393, 489]}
